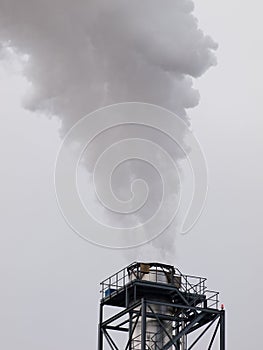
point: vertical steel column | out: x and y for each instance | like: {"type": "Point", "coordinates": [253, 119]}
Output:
{"type": "Point", "coordinates": [100, 333]}
{"type": "Point", "coordinates": [130, 329]}
{"type": "Point", "coordinates": [177, 329]}
{"type": "Point", "coordinates": [222, 330]}
{"type": "Point", "coordinates": [143, 326]}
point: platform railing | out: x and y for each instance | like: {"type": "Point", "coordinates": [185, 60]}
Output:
{"type": "Point", "coordinates": [212, 299]}
{"type": "Point", "coordinates": [185, 283]}
{"type": "Point", "coordinates": [192, 284]}
{"type": "Point", "coordinates": [115, 282]}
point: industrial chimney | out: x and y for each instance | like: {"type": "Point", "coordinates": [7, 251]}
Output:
{"type": "Point", "coordinates": [160, 308]}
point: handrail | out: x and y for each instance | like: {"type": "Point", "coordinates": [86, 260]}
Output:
{"type": "Point", "coordinates": [193, 285]}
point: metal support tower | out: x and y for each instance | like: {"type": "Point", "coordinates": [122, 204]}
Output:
{"type": "Point", "coordinates": [156, 307]}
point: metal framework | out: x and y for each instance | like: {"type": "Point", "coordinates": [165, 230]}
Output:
{"type": "Point", "coordinates": [193, 310]}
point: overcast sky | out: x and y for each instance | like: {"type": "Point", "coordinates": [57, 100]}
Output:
{"type": "Point", "coordinates": [50, 277]}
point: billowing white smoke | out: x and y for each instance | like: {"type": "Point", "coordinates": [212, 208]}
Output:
{"type": "Point", "coordinates": [85, 54]}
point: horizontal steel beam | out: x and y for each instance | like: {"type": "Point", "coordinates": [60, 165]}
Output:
{"type": "Point", "coordinates": [187, 307]}
{"type": "Point", "coordinates": [113, 328]}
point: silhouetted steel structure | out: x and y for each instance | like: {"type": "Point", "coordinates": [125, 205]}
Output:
{"type": "Point", "coordinates": [161, 308]}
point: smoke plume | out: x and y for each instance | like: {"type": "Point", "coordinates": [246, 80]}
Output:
{"type": "Point", "coordinates": [90, 53]}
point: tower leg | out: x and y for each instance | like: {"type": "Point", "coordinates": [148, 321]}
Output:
{"type": "Point", "coordinates": [100, 333]}
{"type": "Point", "coordinates": [222, 330]}
{"type": "Point", "coordinates": [143, 325]}
{"type": "Point", "coordinates": [130, 329]}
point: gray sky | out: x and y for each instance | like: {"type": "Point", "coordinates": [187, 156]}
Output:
{"type": "Point", "coordinates": [49, 289]}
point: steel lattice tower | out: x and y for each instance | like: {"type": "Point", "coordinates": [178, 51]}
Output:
{"type": "Point", "coordinates": [158, 308]}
